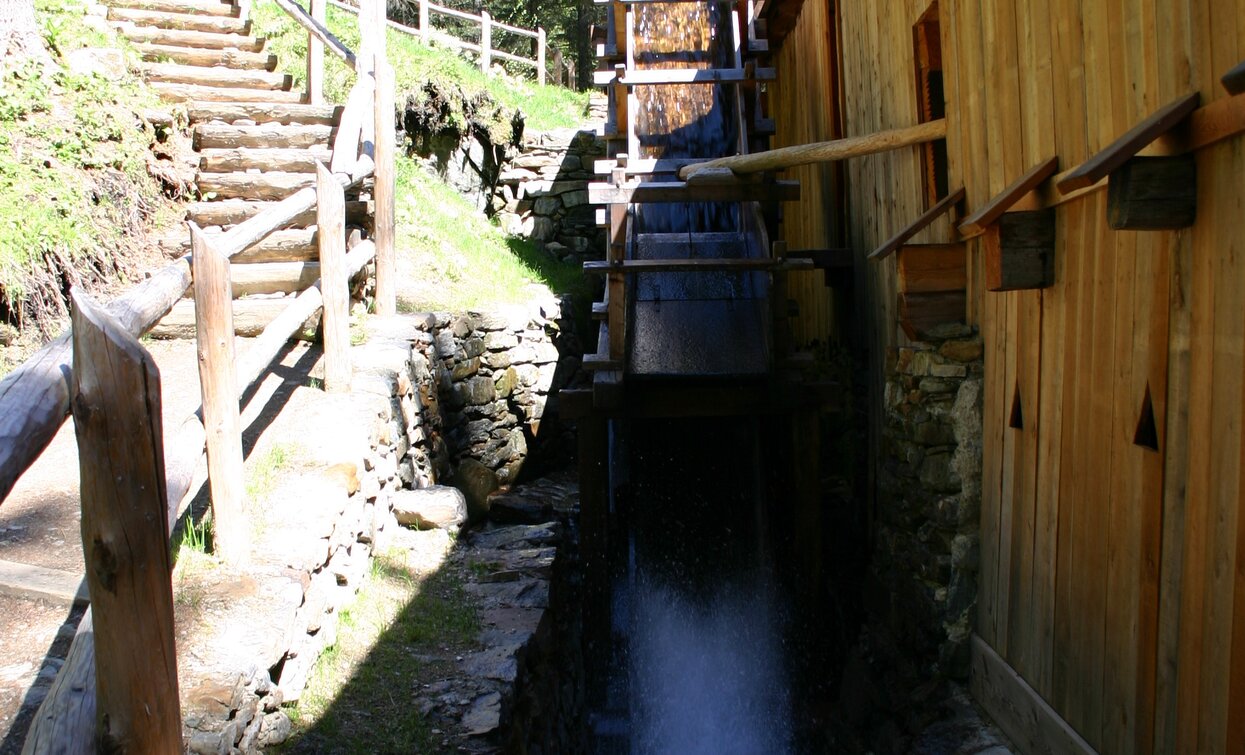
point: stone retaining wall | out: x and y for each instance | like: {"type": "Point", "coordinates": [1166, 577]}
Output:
{"type": "Point", "coordinates": [542, 194]}
{"type": "Point", "coordinates": [929, 499]}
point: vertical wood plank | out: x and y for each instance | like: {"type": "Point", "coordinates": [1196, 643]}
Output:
{"type": "Point", "coordinates": [385, 217]}
{"type": "Point", "coordinates": [117, 420]}
{"type": "Point", "coordinates": [486, 41]}
{"type": "Point", "coordinates": [218, 384]}
{"type": "Point", "coordinates": [334, 284]}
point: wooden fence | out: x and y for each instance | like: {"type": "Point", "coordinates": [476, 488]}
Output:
{"type": "Point", "coordinates": [118, 689]}
{"type": "Point", "coordinates": [563, 73]}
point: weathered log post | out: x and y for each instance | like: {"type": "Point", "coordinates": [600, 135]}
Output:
{"type": "Point", "coordinates": [334, 285]}
{"type": "Point", "coordinates": [116, 408]}
{"type": "Point", "coordinates": [384, 221]}
{"type": "Point", "coordinates": [540, 54]}
{"type": "Point", "coordinates": [425, 23]}
{"type": "Point", "coordinates": [486, 40]}
{"type": "Point", "coordinates": [219, 386]}
{"type": "Point", "coordinates": [315, 56]}
{"type": "Point", "coordinates": [558, 66]}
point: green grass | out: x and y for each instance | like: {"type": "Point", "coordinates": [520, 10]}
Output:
{"type": "Point", "coordinates": [451, 258]}
{"type": "Point", "coordinates": [73, 177]}
{"type": "Point", "coordinates": [415, 64]}
{"type": "Point", "coordinates": [402, 629]}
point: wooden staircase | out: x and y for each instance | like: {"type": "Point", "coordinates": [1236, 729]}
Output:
{"type": "Point", "coordinates": [255, 138]}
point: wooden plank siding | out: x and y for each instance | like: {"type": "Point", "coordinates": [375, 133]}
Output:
{"type": "Point", "coordinates": [1112, 575]}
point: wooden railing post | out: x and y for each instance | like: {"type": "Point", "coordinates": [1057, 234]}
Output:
{"type": "Point", "coordinates": [219, 386]}
{"type": "Point", "coordinates": [116, 408]}
{"type": "Point", "coordinates": [540, 55]}
{"type": "Point", "coordinates": [486, 41]}
{"type": "Point", "coordinates": [425, 23]}
{"type": "Point", "coordinates": [315, 57]}
{"type": "Point", "coordinates": [334, 287]}
{"type": "Point", "coordinates": [558, 67]}
{"type": "Point", "coordinates": [383, 222]}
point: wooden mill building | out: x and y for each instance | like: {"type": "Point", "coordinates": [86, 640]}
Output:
{"type": "Point", "coordinates": [1085, 211]}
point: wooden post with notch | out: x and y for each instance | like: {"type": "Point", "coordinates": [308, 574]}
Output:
{"type": "Point", "coordinates": [116, 408]}
{"type": "Point", "coordinates": [315, 56]}
{"type": "Point", "coordinates": [331, 230]}
{"type": "Point", "coordinates": [386, 263]}
{"type": "Point", "coordinates": [425, 23]}
{"type": "Point", "coordinates": [486, 41]}
{"type": "Point", "coordinates": [218, 383]}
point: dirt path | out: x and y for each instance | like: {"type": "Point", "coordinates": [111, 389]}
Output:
{"type": "Point", "coordinates": [39, 520]}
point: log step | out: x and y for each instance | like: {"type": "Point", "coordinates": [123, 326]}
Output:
{"type": "Point", "coordinates": [289, 245]}
{"type": "Point", "coordinates": [284, 160]}
{"type": "Point", "coordinates": [264, 112]}
{"type": "Point", "coordinates": [270, 278]}
{"type": "Point", "coordinates": [183, 21]}
{"type": "Point", "coordinates": [197, 7]}
{"type": "Point", "coordinates": [228, 212]}
{"type": "Point", "coordinates": [253, 185]}
{"type": "Point", "coordinates": [250, 317]}
{"type": "Point", "coordinates": [171, 73]}
{"type": "Point", "coordinates": [198, 56]}
{"type": "Point", "coordinates": [193, 93]}
{"type": "Point", "coordinates": [262, 136]}
{"type": "Point", "coordinates": [203, 40]}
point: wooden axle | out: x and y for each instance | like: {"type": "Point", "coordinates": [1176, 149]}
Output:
{"type": "Point", "coordinates": [659, 76]}
{"type": "Point", "coordinates": [677, 191]}
{"type": "Point", "coordinates": [699, 265]}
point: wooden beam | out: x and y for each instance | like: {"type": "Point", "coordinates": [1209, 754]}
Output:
{"type": "Point", "coordinates": [116, 389]}
{"type": "Point", "coordinates": [318, 30]}
{"type": "Point", "coordinates": [680, 76]}
{"type": "Point", "coordinates": [700, 265]}
{"type": "Point", "coordinates": [1234, 80]}
{"type": "Point", "coordinates": [1017, 708]}
{"type": "Point", "coordinates": [918, 225]}
{"type": "Point", "coordinates": [647, 165]}
{"type": "Point", "coordinates": [385, 220]}
{"type": "Point", "coordinates": [39, 583]}
{"type": "Point", "coordinates": [823, 152]}
{"type": "Point", "coordinates": [1118, 152]}
{"type": "Point", "coordinates": [68, 712]}
{"type": "Point", "coordinates": [1004, 200]}
{"type": "Point", "coordinates": [679, 191]}
{"type": "Point", "coordinates": [1222, 119]}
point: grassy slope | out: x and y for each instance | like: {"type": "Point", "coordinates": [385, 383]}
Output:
{"type": "Point", "coordinates": [74, 186]}
{"type": "Point", "coordinates": [450, 256]}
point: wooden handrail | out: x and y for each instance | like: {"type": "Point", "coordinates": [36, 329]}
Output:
{"type": "Point", "coordinates": [918, 225]}
{"type": "Point", "coordinates": [318, 30]}
{"type": "Point", "coordinates": [1005, 199]}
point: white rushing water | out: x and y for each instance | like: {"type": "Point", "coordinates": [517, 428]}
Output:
{"type": "Point", "coordinates": [707, 675]}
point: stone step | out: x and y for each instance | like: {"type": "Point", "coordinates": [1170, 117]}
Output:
{"type": "Point", "coordinates": [199, 56]}
{"type": "Point", "coordinates": [195, 93]}
{"type": "Point", "coordinates": [265, 113]}
{"type": "Point", "coordinates": [203, 40]}
{"type": "Point", "coordinates": [196, 7]}
{"type": "Point", "coordinates": [272, 185]}
{"type": "Point", "coordinates": [278, 159]}
{"type": "Point", "coordinates": [182, 21]}
{"type": "Point", "coordinates": [229, 212]}
{"type": "Point", "coordinates": [262, 136]}
{"type": "Point", "coordinates": [172, 73]}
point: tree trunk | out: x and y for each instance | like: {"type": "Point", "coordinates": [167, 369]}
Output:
{"type": "Point", "coordinates": [19, 34]}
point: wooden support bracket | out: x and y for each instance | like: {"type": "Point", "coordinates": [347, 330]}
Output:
{"type": "Point", "coordinates": [933, 283]}
{"type": "Point", "coordinates": [1020, 251]}
{"type": "Point", "coordinates": [1234, 80]}
{"type": "Point", "coordinates": [1118, 152]}
{"type": "Point", "coordinates": [944, 205]}
{"type": "Point", "coordinates": [1153, 193]}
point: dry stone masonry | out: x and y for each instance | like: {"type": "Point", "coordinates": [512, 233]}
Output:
{"type": "Point", "coordinates": [542, 194]}
{"type": "Point", "coordinates": [930, 497]}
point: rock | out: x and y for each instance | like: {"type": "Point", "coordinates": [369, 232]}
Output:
{"type": "Point", "coordinates": [962, 351]}
{"type": "Point", "coordinates": [547, 205]}
{"type": "Point", "coordinates": [948, 330]}
{"type": "Point", "coordinates": [476, 482]}
{"type": "Point", "coordinates": [505, 382]}
{"type": "Point", "coordinates": [435, 507]}
{"type": "Point", "coordinates": [506, 507]}
{"type": "Point", "coordinates": [500, 341]}
{"type": "Point", "coordinates": [274, 729]}
{"type": "Point", "coordinates": [106, 63]}
{"type": "Point", "coordinates": [484, 715]}
{"type": "Point", "coordinates": [574, 198]}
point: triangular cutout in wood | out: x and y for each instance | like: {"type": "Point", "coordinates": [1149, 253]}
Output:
{"type": "Point", "coordinates": [1017, 420]}
{"type": "Point", "coordinates": [1147, 432]}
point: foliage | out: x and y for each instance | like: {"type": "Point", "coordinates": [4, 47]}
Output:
{"type": "Point", "coordinates": [415, 65]}
{"type": "Point", "coordinates": [74, 187]}
{"type": "Point", "coordinates": [452, 258]}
